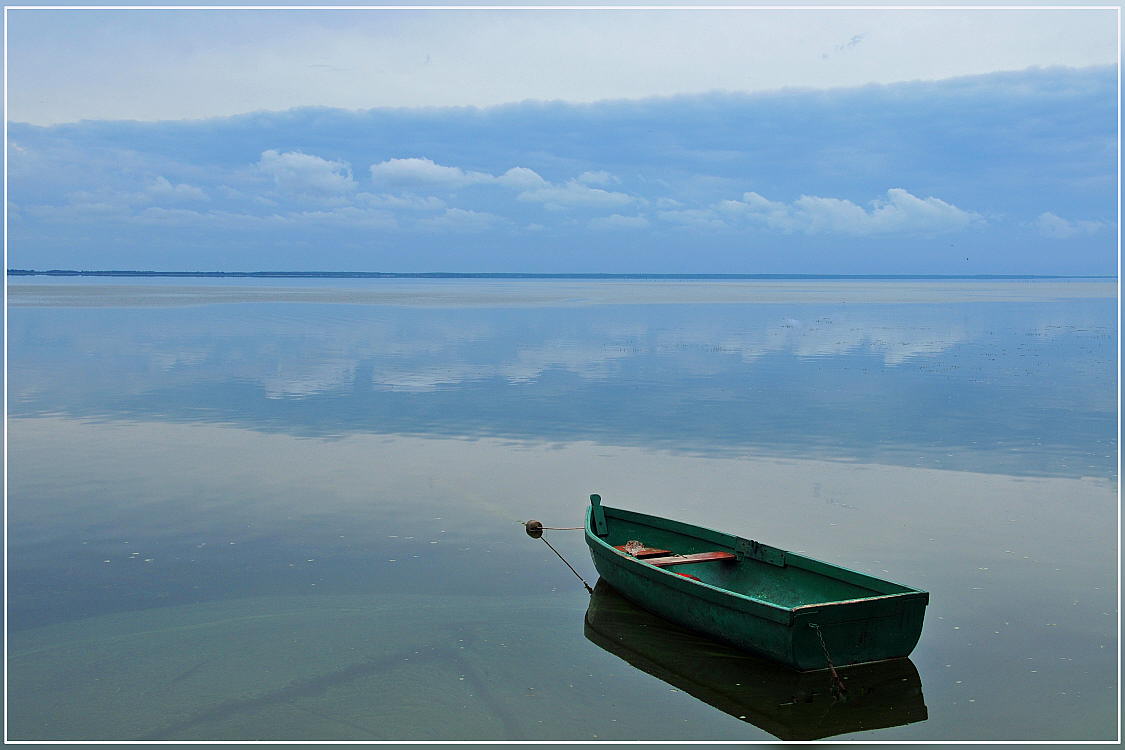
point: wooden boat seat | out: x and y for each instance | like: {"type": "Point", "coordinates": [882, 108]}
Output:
{"type": "Point", "coordinates": [645, 552]}
{"type": "Point", "coordinates": [698, 557]}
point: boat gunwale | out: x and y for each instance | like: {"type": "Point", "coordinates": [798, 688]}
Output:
{"type": "Point", "coordinates": [778, 612]}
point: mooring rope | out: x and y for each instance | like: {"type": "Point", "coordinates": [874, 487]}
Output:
{"type": "Point", "coordinates": [534, 525]}
{"type": "Point", "coordinates": [835, 675]}
{"type": "Point", "coordinates": [572, 570]}
{"type": "Point", "coordinates": [535, 529]}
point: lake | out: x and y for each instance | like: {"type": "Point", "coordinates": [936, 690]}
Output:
{"type": "Point", "coordinates": [290, 509]}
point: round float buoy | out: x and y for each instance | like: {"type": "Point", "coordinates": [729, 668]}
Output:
{"type": "Point", "coordinates": [534, 529]}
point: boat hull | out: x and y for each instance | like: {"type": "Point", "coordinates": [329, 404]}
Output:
{"type": "Point", "coordinates": [805, 614]}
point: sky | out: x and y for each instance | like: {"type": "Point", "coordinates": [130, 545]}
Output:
{"type": "Point", "coordinates": [661, 141]}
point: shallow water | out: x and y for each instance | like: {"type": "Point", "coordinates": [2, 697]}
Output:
{"type": "Point", "coordinates": [243, 510]}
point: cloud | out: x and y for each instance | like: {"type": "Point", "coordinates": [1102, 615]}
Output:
{"type": "Point", "coordinates": [695, 218]}
{"type": "Point", "coordinates": [405, 202]}
{"type": "Point", "coordinates": [158, 191]}
{"type": "Point", "coordinates": [416, 171]}
{"type": "Point", "coordinates": [169, 216]}
{"type": "Point", "coordinates": [60, 72]}
{"type": "Point", "coordinates": [899, 213]}
{"type": "Point", "coordinates": [420, 171]}
{"type": "Point", "coordinates": [462, 220]}
{"type": "Point", "coordinates": [771, 214]}
{"type": "Point", "coordinates": [347, 216]}
{"type": "Point", "coordinates": [573, 194]}
{"type": "Point", "coordinates": [241, 196]}
{"type": "Point", "coordinates": [598, 177]}
{"type": "Point", "coordinates": [161, 188]}
{"type": "Point", "coordinates": [1006, 147]}
{"type": "Point", "coordinates": [304, 173]}
{"type": "Point", "coordinates": [521, 178]}
{"type": "Point", "coordinates": [617, 221]}
{"type": "Point", "coordinates": [1056, 227]}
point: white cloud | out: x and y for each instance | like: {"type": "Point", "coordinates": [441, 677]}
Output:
{"type": "Point", "coordinates": [521, 178]}
{"type": "Point", "coordinates": [903, 212]}
{"type": "Point", "coordinates": [344, 216]}
{"type": "Point", "coordinates": [162, 188]}
{"type": "Point", "coordinates": [462, 220]}
{"type": "Point", "coordinates": [598, 177]}
{"type": "Point", "coordinates": [157, 191]}
{"type": "Point", "coordinates": [418, 171]}
{"type": "Point", "coordinates": [84, 211]}
{"type": "Point", "coordinates": [347, 216]}
{"type": "Point", "coordinates": [305, 173]}
{"type": "Point", "coordinates": [170, 216]}
{"type": "Point", "coordinates": [573, 194]}
{"type": "Point", "coordinates": [229, 193]}
{"type": "Point", "coordinates": [1050, 225]}
{"type": "Point", "coordinates": [617, 221]}
{"type": "Point", "coordinates": [772, 214]}
{"type": "Point", "coordinates": [407, 202]}
{"type": "Point", "coordinates": [899, 213]}
{"type": "Point", "coordinates": [696, 218]}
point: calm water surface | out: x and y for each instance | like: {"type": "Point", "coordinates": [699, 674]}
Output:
{"type": "Point", "coordinates": [286, 510]}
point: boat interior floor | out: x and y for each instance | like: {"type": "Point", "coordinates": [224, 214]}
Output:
{"type": "Point", "coordinates": [785, 586]}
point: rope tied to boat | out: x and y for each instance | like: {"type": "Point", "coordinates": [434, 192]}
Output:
{"type": "Point", "coordinates": [535, 529]}
{"type": "Point", "coordinates": [839, 683]}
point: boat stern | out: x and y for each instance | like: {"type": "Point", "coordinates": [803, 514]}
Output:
{"type": "Point", "coordinates": [857, 631]}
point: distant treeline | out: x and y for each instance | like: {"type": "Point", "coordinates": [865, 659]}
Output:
{"type": "Point", "coordinates": [449, 275]}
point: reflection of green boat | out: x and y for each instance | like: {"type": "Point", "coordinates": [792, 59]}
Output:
{"type": "Point", "coordinates": [802, 612]}
{"type": "Point", "coordinates": [788, 704]}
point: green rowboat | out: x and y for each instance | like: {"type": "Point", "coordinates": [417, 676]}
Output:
{"type": "Point", "coordinates": [796, 610]}
{"type": "Point", "coordinates": [788, 704]}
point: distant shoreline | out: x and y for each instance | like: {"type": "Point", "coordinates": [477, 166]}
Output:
{"type": "Point", "coordinates": [611, 276]}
